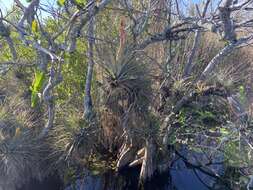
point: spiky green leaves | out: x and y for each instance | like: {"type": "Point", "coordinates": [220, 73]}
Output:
{"type": "Point", "coordinates": [128, 84]}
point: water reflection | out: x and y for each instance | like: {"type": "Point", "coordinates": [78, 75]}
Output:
{"type": "Point", "coordinates": [181, 176]}
{"type": "Point", "coordinates": [125, 180]}
{"type": "Point", "coordinates": [49, 183]}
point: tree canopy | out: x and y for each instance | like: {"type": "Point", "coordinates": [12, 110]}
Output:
{"type": "Point", "coordinates": [86, 82]}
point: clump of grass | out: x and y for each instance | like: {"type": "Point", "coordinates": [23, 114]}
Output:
{"type": "Point", "coordinates": [20, 151]}
{"type": "Point", "coordinates": [126, 97]}
{"type": "Point", "coordinates": [127, 83]}
{"type": "Point", "coordinates": [181, 86]}
{"type": "Point", "coordinates": [71, 141]}
{"type": "Point", "coordinates": [71, 137]}
{"type": "Point", "coordinates": [232, 76]}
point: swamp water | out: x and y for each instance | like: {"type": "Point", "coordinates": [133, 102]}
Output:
{"type": "Point", "coordinates": [181, 176]}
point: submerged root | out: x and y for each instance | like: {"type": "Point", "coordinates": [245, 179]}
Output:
{"type": "Point", "coordinates": [148, 165]}
{"type": "Point", "coordinates": [126, 156]}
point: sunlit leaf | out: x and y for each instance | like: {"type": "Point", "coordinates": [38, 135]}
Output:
{"type": "Point", "coordinates": [224, 131]}
{"type": "Point", "coordinates": [60, 2]}
{"type": "Point", "coordinates": [34, 26]}
{"type": "Point", "coordinates": [36, 87]}
{"type": "Point", "coordinates": [81, 2]}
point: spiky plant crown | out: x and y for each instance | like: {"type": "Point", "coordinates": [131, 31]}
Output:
{"type": "Point", "coordinates": [70, 137]}
{"type": "Point", "coordinates": [233, 75]}
{"type": "Point", "coordinates": [127, 83]}
{"type": "Point", "coordinates": [20, 151]}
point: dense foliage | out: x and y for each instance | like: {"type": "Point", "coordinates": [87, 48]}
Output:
{"type": "Point", "coordinates": [108, 85]}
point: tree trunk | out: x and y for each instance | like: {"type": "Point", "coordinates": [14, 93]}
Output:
{"type": "Point", "coordinates": [87, 99]}
{"type": "Point", "coordinates": [188, 66]}
{"type": "Point", "coordinates": [149, 163]}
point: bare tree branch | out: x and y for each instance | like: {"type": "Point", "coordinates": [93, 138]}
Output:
{"type": "Point", "coordinates": [88, 107]}
{"type": "Point", "coordinates": [188, 66]}
{"type": "Point", "coordinates": [223, 53]}
{"type": "Point", "coordinates": [5, 32]}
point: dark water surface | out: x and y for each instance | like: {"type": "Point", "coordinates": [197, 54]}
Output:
{"type": "Point", "coordinates": [180, 177]}
{"type": "Point", "coordinates": [49, 183]}
{"type": "Point", "coordinates": [183, 178]}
